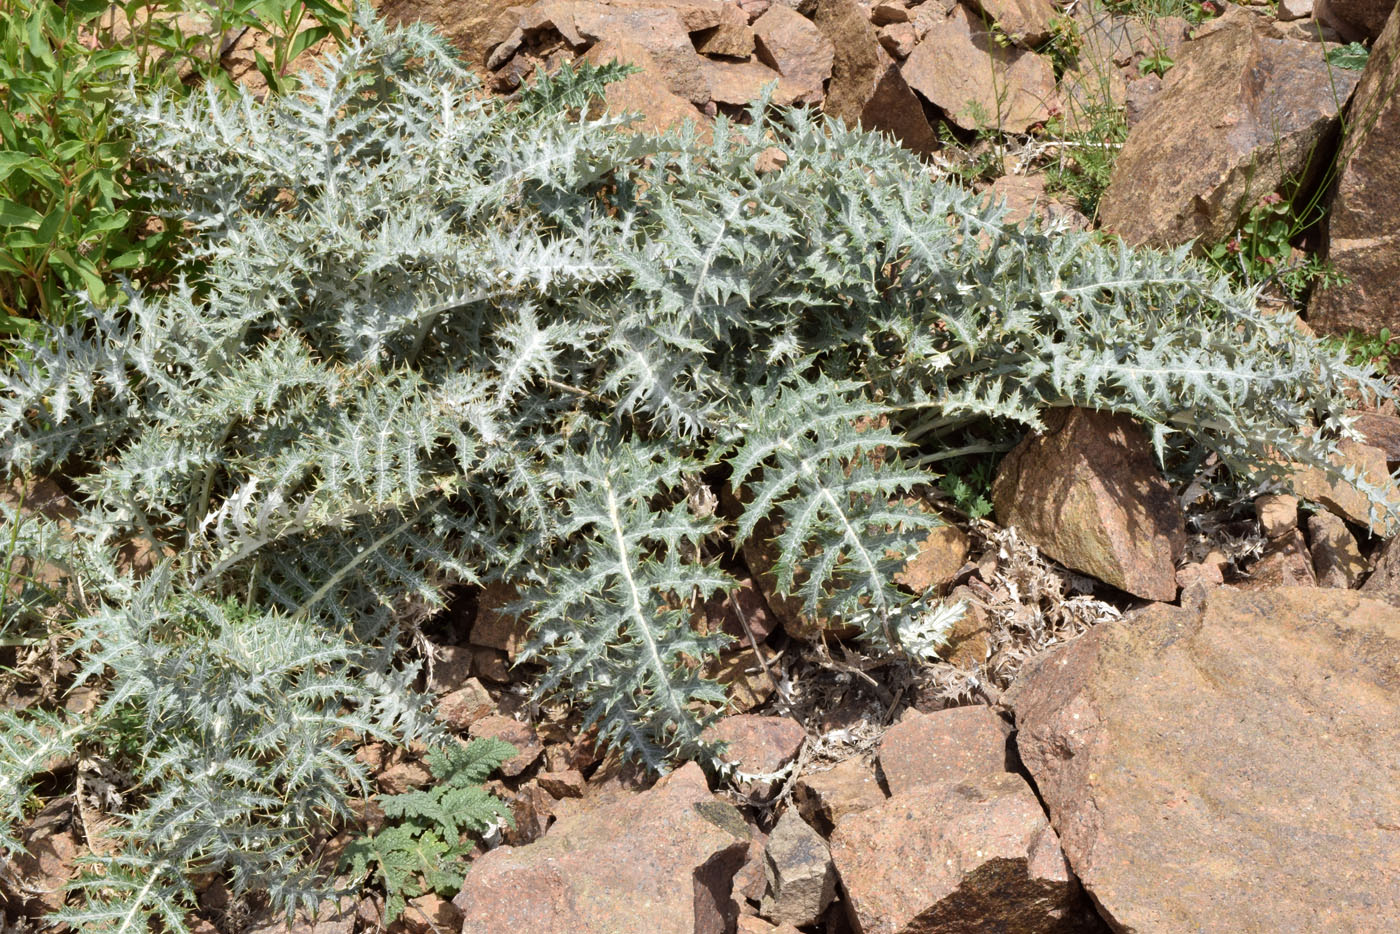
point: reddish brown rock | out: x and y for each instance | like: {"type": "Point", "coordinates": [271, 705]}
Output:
{"type": "Point", "coordinates": [1277, 514]}
{"type": "Point", "coordinates": [520, 735]}
{"type": "Point", "coordinates": [969, 856]}
{"type": "Point", "coordinates": [791, 45]}
{"type": "Point", "coordinates": [1355, 20]}
{"type": "Point", "coordinates": [1238, 114]}
{"type": "Point", "coordinates": [867, 88]}
{"type": "Point", "coordinates": [661, 31]}
{"type": "Point", "coordinates": [1285, 562]}
{"type": "Point", "coordinates": [747, 681]}
{"type": "Point", "coordinates": [823, 798]}
{"type": "Point", "coordinates": [495, 627]}
{"type": "Point", "coordinates": [404, 777]}
{"type": "Point", "coordinates": [531, 810]}
{"type": "Point", "coordinates": [939, 558]}
{"type": "Point", "coordinates": [978, 84]}
{"type": "Point", "coordinates": [945, 746]}
{"type": "Point", "coordinates": [470, 25]}
{"type": "Point", "coordinates": [431, 914]}
{"type": "Point", "coordinates": [640, 93]}
{"type": "Point", "coordinates": [1384, 582]}
{"type": "Point", "coordinates": [1343, 497]}
{"type": "Point", "coordinates": [658, 862]}
{"type": "Point", "coordinates": [1363, 220]}
{"type": "Point", "coordinates": [740, 612]}
{"type": "Point", "coordinates": [731, 40]}
{"type": "Point", "coordinates": [1024, 197]}
{"type": "Point", "coordinates": [1028, 23]}
{"type": "Point", "coordinates": [1226, 769]}
{"type": "Point", "coordinates": [451, 667]}
{"type": "Point", "coordinates": [1088, 493]}
{"type": "Point", "coordinates": [969, 643]}
{"type": "Point", "coordinates": [750, 882]}
{"type": "Point", "coordinates": [1196, 580]}
{"type": "Point", "coordinates": [464, 706]}
{"type": "Point", "coordinates": [889, 11]}
{"type": "Point", "coordinates": [748, 924]}
{"type": "Point", "coordinates": [739, 84]}
{"type": "Point", "coordinates": [48, 864]}
{"type": "Point", "coordinates": [1337, 560]}
{"type": "Point", "coordinates": [898, 39]}
{"type": "Point", "coordinates": [797, 866]}
{"type": "Point", "coordinates": [1381, 432]}
{"type": "Point", "coordinates": [568, 783]}
{"type": "Point", "coordinates": [759, 748]}
{"type": "Point", "coordinates": [490, 664]}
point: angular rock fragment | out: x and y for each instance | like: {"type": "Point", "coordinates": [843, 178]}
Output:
{"type": "Point", "coordinates": [948, 745]}
{"type": "Point", "coordinates": [1286, 562]}
{"type": "Point", "coordinates": [867, 88]}
{"type": "Point", "coordinates": [1238, 114]}
{"type": "Point", "coordinates": [1028, 23]}
{"type": "Point", "coordinates": [658, 862]}
{"type": "Point", "coordinates": [727, 41]}
{"type": "Point", "coordinates": [1337, 560]}
{"type": "Point", "coordinates": [641, 92]}
{"type": "Point", "coordinates": [1345, 498]}
{"type": "Point", "coordinates": [1227, 769]}
{"type": "Point", "coordinates": [797, 866]}
{"type": "Point", "coordinates": [1088, 493]}
{"type": "Point", "coordinates": [823, 798]}
{"type": "Point", "coordinates": [759, 748]}
{"type": "Point", "coordinates": [1363, 220]}
{"type": "Point", "coordinates": [976, 855]}
{"type": "Point", "coordinates": [791, 45]}
{"type": "Point", "coordinates": [978, 84]}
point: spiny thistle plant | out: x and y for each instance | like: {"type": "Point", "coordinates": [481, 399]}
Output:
{"type": "Point", "coordinates": [440, 339]}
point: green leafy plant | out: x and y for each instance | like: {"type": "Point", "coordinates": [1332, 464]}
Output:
{"type": "Point", "coordinates": [71, 217]}
{"type": "Point", "coordinates": [424, 846]}
{"type": "Point", "coordinates": [1157, 63]}
{"type": "Point", "coordinates": [968, 484]}
{"type": "Point", "coordinates": [1352, 56]}
{"type": "Point", "coordinates": [1261, 251]}
{"type": "Point", "coordinates": [1372, 351]}
{"type": "Point", "coordinates": [432, 338]}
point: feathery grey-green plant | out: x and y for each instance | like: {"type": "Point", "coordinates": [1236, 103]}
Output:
{"type": "Point", "coordinates": [428, 339]}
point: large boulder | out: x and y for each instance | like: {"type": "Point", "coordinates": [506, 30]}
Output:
{"type": "Point", "coordinates": [969, 856]}
{"type": "Point", "coordinates": [659, 862]}
{"type": "Point", "coordinates": [1355, 20]}
{"type": "Point", "coordinates": [1363, 223]}
{"type": "Point", "coordinates": [947, 745]}
{"type": "Point", "coordinates": [866, 87]}
{"type": "Point", "coordinates": [960, 68]}
{"type": "Point", "coordinates": [1088, 493]}
{"type": "Point", "coordinates": [1239, 114]}
{"type": "Point", "coordinates": [1226, 769]}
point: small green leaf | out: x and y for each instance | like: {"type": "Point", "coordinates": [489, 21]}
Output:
{"type": "Point", "coordinates": [1352, 57]}
{"type": "Point", "coordinates": [17, 215]}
